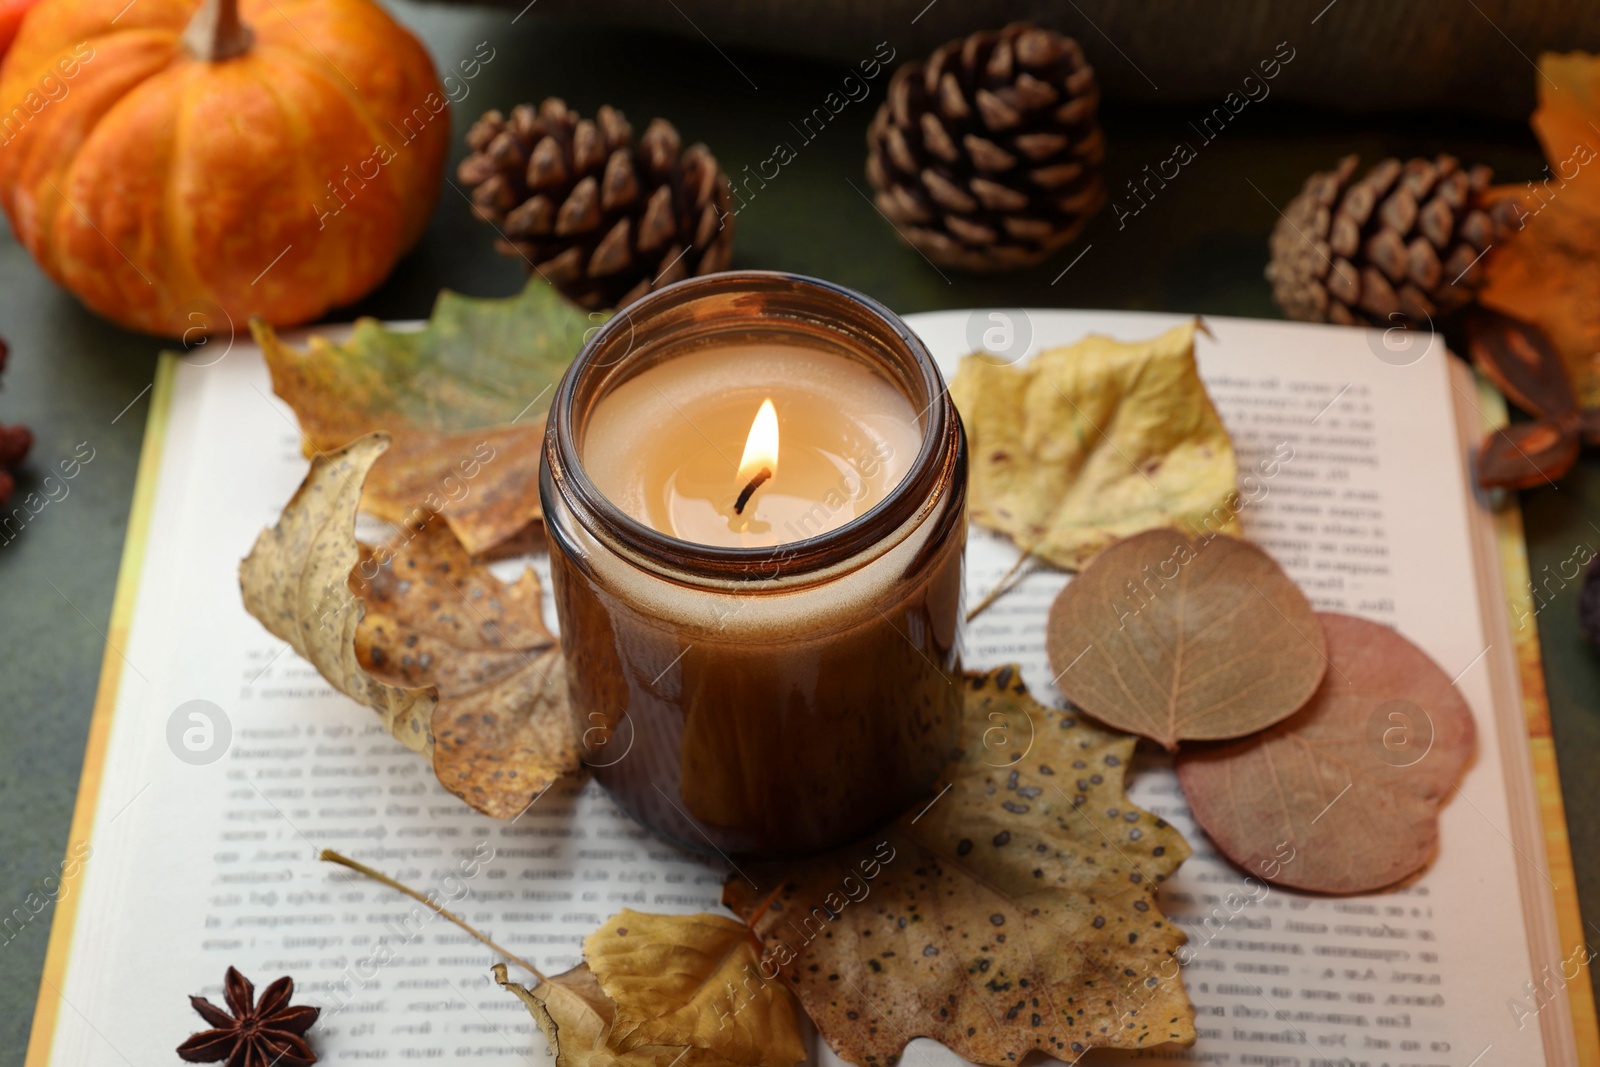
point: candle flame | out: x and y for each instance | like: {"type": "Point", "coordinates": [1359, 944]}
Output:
{"type": "Point", "coordinates": [761, 447]}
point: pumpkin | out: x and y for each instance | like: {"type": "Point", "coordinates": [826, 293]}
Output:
{"type": "Point", "coordinates": [182, 166]}
{"type": "Point", "coordinates": [11, 12]}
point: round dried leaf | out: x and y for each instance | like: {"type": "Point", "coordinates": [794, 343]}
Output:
{"type": "Point", "coordinates": [1177, 639]}
{"type": "Point", "coordinates": [1344, 796]}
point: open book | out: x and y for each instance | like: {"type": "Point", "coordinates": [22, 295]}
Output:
{"type": "Point", "coordinates": [219, 763]}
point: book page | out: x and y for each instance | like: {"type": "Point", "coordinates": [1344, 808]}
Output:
{"type": "Point", "coordinates": [202, 847]}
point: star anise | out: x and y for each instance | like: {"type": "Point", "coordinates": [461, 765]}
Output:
{"type": "Point", "coordinates": [258, 1033]}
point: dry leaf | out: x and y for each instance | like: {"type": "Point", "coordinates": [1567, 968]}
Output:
{"type": "Point", "coordinates": [1352, 783]}
{"type": "Point", "coordinates": [296, 583]}
{"type": "Point", "coordinates": [693, 979]}
{"type": "Point", "coordinates": [1523, 364]}
{"type": "Point", "coordinates": [1526, 455]}
{"type": "Point", "coordinates": [687, 992]}
{"type": "Point", "coordinates": [484, 483]}
{"type": "Point", "coordinates": [1015, 911]}
{"type": "Point", "coordinates": [1095, 441]}
{"type": "Point", "coordinates": [503, 730]}
{"type": "Point", "coordinates": [1549, 272]}
{"type": "Point", "coordinates": [575, 1017]}
{"type": "Point", "coordinates": [464, 399]}
{"type": "Point", "coordinates": [1177, 639]}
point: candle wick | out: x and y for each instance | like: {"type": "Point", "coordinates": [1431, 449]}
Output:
{"type": "Point", "coordinates": [744, 497]}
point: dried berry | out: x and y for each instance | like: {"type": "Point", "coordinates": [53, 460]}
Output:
{"type": "Point", "coordinates": [14, 444]}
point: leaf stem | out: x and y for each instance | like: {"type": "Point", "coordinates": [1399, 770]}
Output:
{"type": "Point", "coordinates": [1002, 587]}
{"type": "Point", "coordinates": [331, 856]}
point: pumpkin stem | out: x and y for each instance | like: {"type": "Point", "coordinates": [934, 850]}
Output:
{"type": "Point", "coordinates": [215, 33]}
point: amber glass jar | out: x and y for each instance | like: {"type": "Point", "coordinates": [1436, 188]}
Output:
{"type": "Point", "coordinates": [762, 701]}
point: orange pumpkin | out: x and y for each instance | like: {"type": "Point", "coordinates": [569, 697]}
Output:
{"type": "Point", "coordinates": [11, 12]}
{"type": "Point", "coordinates": [181, 165]}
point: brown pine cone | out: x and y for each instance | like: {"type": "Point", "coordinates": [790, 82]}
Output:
{"type": "Point", "coordinates": [988, 156]}
{"type": "Point", "coordinates": [1401, 246]}
{"type": "Point", "coordinates": [601, 219]}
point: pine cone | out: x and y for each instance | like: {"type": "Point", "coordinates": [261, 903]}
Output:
{"type": "Point", "coordinates": [1400, 247]}
{"type": "Point", "coordinates": [603, 221]}
{"type": "Point", "coordinates": [987, 157]}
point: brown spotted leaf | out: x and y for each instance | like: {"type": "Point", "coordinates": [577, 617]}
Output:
{"type": "Point", "coordinates": [502, 730]}
{"type": "Point", "coordinates": [1014, 912]}
{"type": "Point", "coordinates": [296, 582]}
{"type": "Point", "coordinates": [1179, 639]}
{"type": "Point", "coordinates": [464, 399]}
{"type": "Point", "coordinates": [1352, 784]}
{"type": "Point", "coordinates": [1094, 441]}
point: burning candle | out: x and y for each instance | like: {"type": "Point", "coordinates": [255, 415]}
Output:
{"type": "Point", "coordinates": [690, 447]}
{"type": "Point", "coordinates": [754, 493]}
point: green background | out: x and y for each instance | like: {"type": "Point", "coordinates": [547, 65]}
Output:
{"type": "Point", "coordinates": [1199, 246]}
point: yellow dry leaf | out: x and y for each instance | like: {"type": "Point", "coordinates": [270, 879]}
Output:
{"type": "Point", "coordinates": [296, 583]}
{"type": "Point", "coordinates": [576, 1017]}
{"type": "Point", "coordinates": [659, 990]}
{"type": "Point", "coordinates": [1095, 441]}
{"type": "Point", "coordinates": [1549, 271]}
{"type": "Point", "coordinates": [693, 980]}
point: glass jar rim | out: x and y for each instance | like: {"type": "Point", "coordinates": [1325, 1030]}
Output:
{"type": "Point", "coordinates": [876, 331]}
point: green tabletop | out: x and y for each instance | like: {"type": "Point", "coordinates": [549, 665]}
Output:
{"type": "Point", "coordinates": [1199, 246]}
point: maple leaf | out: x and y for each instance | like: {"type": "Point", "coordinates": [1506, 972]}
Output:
{"type": "Point", "coordinates": [1014, 912]}
{"type": "Point", "coordinates": [502, 729]}
{"type": "Point", "coordinates": [1549, 272]}
{"type": "Point", "coordinates": [1092, 442]}
{"type": "Point", "coordinates": [1177, 639]}
{"type": "Point", "coordinates": [463, 398]}
{"type": "Point", "coordinates": [658, 990]}
{"type": "Point", "coordinates": [1351, 784]}
{"type": "Point", "coordinates": [295, 582]}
